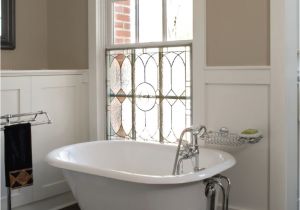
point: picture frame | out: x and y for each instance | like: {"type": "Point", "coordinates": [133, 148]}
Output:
{"type": "Point", "coordinates": [8, 36]}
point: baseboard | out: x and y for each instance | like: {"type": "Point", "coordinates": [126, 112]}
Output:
{"type": "Point", "coordinates": [53, 203]}
{"type": "Point", "coordinates": [67, 199]}
{"type": "Point", "coordinates": [233, 208]}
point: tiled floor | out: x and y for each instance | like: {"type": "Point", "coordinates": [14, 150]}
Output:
{"type": "Point", "coordinates": [73, 207]}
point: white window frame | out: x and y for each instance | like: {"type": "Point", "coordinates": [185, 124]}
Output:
{"type": "Point", "coordinates": [197, 48]}
{"type": "Point", "coordinates": [100, 39]}
{"type": "Point", "coordinates": [137, 44]}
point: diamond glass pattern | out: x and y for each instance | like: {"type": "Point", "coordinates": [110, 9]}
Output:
{"type": "Point", "coordinates": [149, 93]}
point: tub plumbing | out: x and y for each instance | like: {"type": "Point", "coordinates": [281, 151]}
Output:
{"type": "Point", "coordinates": [211, 191]}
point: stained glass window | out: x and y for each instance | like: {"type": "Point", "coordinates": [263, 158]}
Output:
{"type": "Point", "coordinates": [149, 93]}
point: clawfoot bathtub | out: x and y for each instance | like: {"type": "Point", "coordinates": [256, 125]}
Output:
{"type": "Point", "coordinates": [129, 175]}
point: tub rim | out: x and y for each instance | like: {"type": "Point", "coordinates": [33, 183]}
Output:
{"type": "Point", "coordinates": [53, 160]}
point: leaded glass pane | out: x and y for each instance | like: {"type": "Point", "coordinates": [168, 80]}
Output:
{"type": "Point", "coordinates": [149, 93]}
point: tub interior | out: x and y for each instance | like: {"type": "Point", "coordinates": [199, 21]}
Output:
{"type": "Point", "coordinates": [133, 157]}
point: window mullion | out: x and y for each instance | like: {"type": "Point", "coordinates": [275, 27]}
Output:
{"type": "Point", "coordinates": [164, 20]}
{"type": "Point", "coordinates": [137, 21]}
{"type": "Point", "coordinates": [110, 36]}
{"type": "Point", "coordinates": [161, 97]}
{"type": "Point", "coordinates": [133, 105]}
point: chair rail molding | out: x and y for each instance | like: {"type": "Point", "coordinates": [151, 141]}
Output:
{"type": "Point", "coordinates": [255, 75]}
{"type": "Point", "coordinates": [20, 73]}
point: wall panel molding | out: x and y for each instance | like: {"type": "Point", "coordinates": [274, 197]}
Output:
{"type": "Point", "coordinates": [256, 75]}
{"type": "Point", "coordinates": [64, 95]}
{"type": "Point", "coordinates": [237, 68]}
{"type": "Point", "coordinates": [238, 97]}
{"type": "Point", "coordinates": [15, 98]}
{"type": "Point", "coordinates": [238, 107]}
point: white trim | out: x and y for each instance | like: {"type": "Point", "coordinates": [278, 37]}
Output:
{"type": "Point", "coordinates": [97, 13]}
{"type": "Point", "coordinates": [250, 75]}
{"type": "Point", "coordinates": [64, 205]}
{"type": "Point", "coordinates": [109, 29]}
{"type": "Point", "coordinates": [198, 62]}
{"type": "Point", "coordinates": [233, 208]}
{"type": "Point", "coordinates": [164, 21]}
{"type": "Point", "coordinates": [237, 208]}
{"type": "Point", "coordinates": [210, 68]}
{"type": "Point", "coordinates": [21, 73]}
{"type": "Point", "coordinates": [150, 44]}
{"type": "Point", "coordinates": [53, 203]}
{"type": "Point", "coordinates": [137, 22]}
{"type": "Point", "coordinates": [283, 106]}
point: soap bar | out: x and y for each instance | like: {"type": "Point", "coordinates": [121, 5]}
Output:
{"type": "Point", "coordinates": [250, 131]}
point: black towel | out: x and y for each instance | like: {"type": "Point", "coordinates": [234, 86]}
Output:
{"type": "Point", "coordinates": [18, 155]}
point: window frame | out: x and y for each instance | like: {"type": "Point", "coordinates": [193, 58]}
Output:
{"type": "Point", "coordinates": [164, 43]}
{"type": "Point", "coordinates": [99, 41]}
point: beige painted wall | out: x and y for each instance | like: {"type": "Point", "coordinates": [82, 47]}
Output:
{"type": "Point", "coordinates": [67, 34]}
{"type": "Point", "coordinates": [51, 34]}
{"type": "Point", "coordinates": [31, 37]}
{"type": "Point", "coordinates": [238, 32]}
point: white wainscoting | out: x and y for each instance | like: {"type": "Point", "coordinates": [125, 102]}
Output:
{"type": "Point", "coordinates": [64, 95]}
{"type": "Point", "coordinates": [236, 97]}
{"type": "Point", "coordinates": [239, 98]}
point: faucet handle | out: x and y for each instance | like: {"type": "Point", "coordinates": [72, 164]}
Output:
{"type": "Point", "coordinates": [195, 129]}
{"type": "Point", "coordinates": [186, 149]}
{"type": "Point", "coordinates": [199, 130]}
{"type": "Point", "coordinates": [185, 146]}
{"type": "Point", "coordinates": [185, 143]}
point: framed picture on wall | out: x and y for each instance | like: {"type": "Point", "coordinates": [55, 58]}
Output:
{"type": "Point", "coordinates": [8, 36]}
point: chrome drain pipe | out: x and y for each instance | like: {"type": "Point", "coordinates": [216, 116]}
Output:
{"type": "Point", "coordinates": [211, 191]}
{"type": "Point", "coordinates": [228, 185]}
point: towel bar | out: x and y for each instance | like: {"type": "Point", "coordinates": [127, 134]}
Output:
{"type": "Point", "coordinates": [7, 121]}
{"type": "Point", "coordinates": [33, 120]}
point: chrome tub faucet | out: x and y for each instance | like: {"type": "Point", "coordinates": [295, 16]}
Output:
{"type": "Point", "coordinates": [187, 150]}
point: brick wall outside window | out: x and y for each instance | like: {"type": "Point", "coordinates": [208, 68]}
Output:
{"type": "Point", "coordinates": [122, 22]}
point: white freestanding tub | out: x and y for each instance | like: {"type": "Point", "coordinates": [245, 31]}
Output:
{"type": "Point", "coordinates": [129, 175]}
